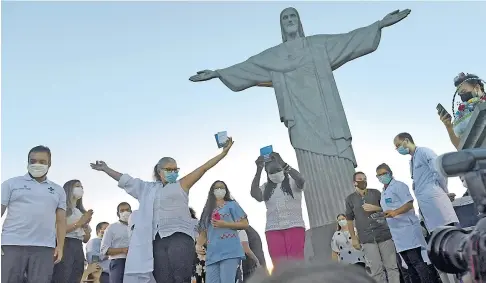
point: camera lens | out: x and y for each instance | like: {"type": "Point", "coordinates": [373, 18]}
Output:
{"type": "Point", "coordinates": [446, 250]}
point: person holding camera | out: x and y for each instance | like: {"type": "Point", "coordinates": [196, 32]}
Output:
{"type": "Point", "coordinates": [470, 88]}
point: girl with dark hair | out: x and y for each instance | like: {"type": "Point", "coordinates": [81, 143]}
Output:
{"type": "Point", "coordinates": [221, 219]}
{"type": "Point", "coordinates": [165, 240]}
{"type": "Point", "coordinates": [282, 194]}
{"type": "Point", "coordinates": [342, 247]}
{"type": "Point", "coordinates": [470, 88]}
{"type": "Point", "coordinates": [71, 267]}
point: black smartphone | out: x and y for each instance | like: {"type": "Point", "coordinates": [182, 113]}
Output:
{"type": "Point", "coordinates": [442, 111]}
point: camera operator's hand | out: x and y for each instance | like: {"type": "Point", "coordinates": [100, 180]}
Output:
{"type": "Point", "coordinates": [447, 120]}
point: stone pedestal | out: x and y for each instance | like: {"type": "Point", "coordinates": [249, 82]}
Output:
{"type": "Point", "coordinates": [318, 243]}
{"type": "Point", "coordinates": [475, 134]}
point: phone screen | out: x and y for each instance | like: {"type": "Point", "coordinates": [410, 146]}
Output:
{"type": "Point", "coordinates": [441, 110]}
{"type": "Point", "coordinates": [95, 259]}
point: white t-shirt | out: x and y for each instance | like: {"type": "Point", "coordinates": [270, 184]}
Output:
{"type": "Point", "coordinates": [243, 236]}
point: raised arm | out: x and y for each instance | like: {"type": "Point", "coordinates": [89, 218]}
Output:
{"type": "Point", "coordinates": [102, 166]}
{"type": "Point", "coordinates": [133, 186]}
{"type": "Point", "coordinates": [256, 192]}
{"type": "Point", "coordinates": [240, 76]}
{"type": "Point", "coordinates": [296, 176]}
{"type": "Point", "coordinates": [189, 180]}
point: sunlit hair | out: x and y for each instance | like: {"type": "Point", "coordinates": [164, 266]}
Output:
{"type": "Point", "coordinates": [68, 188]}
{"type": "Point", "coordinates": [312, 272]}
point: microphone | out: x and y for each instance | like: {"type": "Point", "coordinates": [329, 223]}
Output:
{"type": "Point", "coordinates": [453, 164]}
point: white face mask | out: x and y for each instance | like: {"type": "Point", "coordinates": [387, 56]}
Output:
{"type": "Point", "coordinates": [219, 193]}
{"type": "Point", "coordinates": [37, 170]}
{"type": "Point", "coordinates": [277, 178]}
{"type": "Point", "coordinates": [343, 223]}
{"type": "Point", "coordinates": [125, 215]}
{"type": "Point", "coordinates": [78, 192]}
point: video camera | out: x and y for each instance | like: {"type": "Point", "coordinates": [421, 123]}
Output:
{"type": "Point", "coordinates": [453, 250]}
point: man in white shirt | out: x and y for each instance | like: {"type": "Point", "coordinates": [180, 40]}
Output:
{"type": "Point", "coordinates": [36, 217]}
{"type": "Point", "coordinates": [115, 243]}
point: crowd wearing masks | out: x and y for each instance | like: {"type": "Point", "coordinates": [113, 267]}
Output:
{"type": "Point", "coordinates": [378, 237]}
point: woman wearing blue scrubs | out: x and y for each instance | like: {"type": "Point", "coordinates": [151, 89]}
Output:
{"type": "Point", "coordinates": [221, 219]}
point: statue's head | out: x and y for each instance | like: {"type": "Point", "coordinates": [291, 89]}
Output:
{"type": "Point", "coordinates": [290, 24]}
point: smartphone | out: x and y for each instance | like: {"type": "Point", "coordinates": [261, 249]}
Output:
{"type": "Point", "coordinates": [265, 152]}
{"type": "Point", "coordinates": [442, 111]}
{"type": "Point", "coordinates": [95, 259]}
{"type": "Point", "coordinates": [221, 139]}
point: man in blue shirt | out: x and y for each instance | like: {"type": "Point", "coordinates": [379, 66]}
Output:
{"type": "Point", "coordinates": [36, 217]}
{"type": "Point", "coordinates": [93, 252]}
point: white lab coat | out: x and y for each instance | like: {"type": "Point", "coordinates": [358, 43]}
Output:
{"type": "Point", "coordinates": [430, 189]}
{"type": "Point", "coordinates": [129, 276]}
{"type": "Point", "coordinates": [140, 253]}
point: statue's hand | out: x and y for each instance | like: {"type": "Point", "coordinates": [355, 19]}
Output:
{"type": "Point", "coordinates": [204, 76]}
{"type": "Point", "coordinates": [394, 17]}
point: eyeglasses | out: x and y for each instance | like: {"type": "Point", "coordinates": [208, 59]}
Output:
{"type": "Point", "coordinates": [171, 170]}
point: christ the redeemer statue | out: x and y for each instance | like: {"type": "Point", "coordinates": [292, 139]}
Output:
{"type": "Point", "coordinates": [300, 71]}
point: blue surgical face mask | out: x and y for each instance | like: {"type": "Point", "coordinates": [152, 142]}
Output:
{"type": "Point", "coordinates": [171, 177]}
{"type": "Point", "coordinates": [385, 179]}
{"type": "Point", "coordinates": [402, 150]}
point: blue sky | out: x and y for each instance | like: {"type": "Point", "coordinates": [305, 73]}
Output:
{"type": "Point", "coordinates": [109, 81]}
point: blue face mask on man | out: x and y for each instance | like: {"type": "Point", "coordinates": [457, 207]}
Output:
{"type": "Point", "coordinates": [171, 177]}
{"type": "Point", "coordinates": [402, 150]}
{"type": "Point", "coordinates": [385, 179]}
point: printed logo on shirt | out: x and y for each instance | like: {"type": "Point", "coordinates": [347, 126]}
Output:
{"type": "Point", "coordinates": [51, 190]}
{"type": "Point", "coordinates": [388, 200]}
{"type": "Point", "coordinates": [24, 188]}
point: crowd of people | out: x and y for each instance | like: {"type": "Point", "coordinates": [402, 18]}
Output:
{"type": "Point", "coordinates": [164, 241]}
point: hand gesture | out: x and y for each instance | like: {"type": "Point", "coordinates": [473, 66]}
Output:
{"type": "Point", "coordinates": [446, 119]}
{"type": "Point", "coordinates": [219, 223]}
{"type": "Point", "coordinates": [58, 252]}
{"type": "Point", "coordinates": [260, 162]}
{"type": "Point", "coordinates": [204, 76]}
{"type": "Point", "coordinates": [390, 213]}
{"type": "Point", "coordinates": [228, 145]}
{"type": "Point", "coordinates": [200, 250]}
{"type": "Point", "coordinates": [394, 17]}
{"type": "Point", "coordinates": [452, 196]}
{"type": "Point", "coordinates": [356, 244]}
{"type": "Point", "coordinates": [94, 269]}
{"type": "Point", "coordinates": [99, 166]}
{"type": "Point", "coordinates": [86, 217]}
{"type": "Point", "coordinates": [369, 207]}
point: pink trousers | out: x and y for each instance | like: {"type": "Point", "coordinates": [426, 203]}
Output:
{"type": "Point", "coordinates": [286, 244]}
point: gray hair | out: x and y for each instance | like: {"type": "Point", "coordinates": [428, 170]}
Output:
{"type": "Point", "coordinates": [161, 164]}
{"type": "Point", "coordinates": [315, 272]}
{"type": "Point", "coordinates": [300, 29]}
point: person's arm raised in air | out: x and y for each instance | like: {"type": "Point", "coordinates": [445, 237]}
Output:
{"type": "Point", "coordinates": [189, 180]}
{"type": "Point", "coordinates": [133, 186]}
{"type": "Point", "coordinates": [256, 192]}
